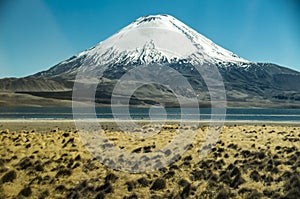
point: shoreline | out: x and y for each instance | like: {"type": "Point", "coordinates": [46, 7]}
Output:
{"type": "Point", "coordinates": [225, 122]}
{"type": "Point", "coordinates": [46, 125]}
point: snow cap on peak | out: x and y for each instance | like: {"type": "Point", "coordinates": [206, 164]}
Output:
{"type": "Point", "coordinates": [156, 21]}
{"type": "Point", "coordinates": [166, 36]}
{"type": "Point", "coordinates": [149, 18]}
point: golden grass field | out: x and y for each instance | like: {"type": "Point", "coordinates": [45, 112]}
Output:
{"type": "Point", "coordinates": [47, 159]}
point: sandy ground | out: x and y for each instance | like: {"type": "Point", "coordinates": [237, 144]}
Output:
{"type": "Point", "coordinates": [48, 159]}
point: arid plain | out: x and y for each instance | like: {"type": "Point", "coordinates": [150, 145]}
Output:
{"type": "Point", "coordinates": [47, 159]}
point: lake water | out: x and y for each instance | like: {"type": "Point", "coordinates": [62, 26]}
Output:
{"type": "Point", "coordinates": [289, 115]}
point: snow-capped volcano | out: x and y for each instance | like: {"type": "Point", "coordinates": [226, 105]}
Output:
{"type": "Point", "coordinates": [149, 39]}
{"type": "Point", "coordinates": [159, 38]}
{"type": "Point", "coordinates": [162, 39]}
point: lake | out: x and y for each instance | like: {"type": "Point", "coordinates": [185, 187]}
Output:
{"type": "Point", "coordinates": [249, 114]}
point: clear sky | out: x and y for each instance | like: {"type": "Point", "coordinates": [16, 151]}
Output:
{"type": "Point", "coordinates": [37, 34]}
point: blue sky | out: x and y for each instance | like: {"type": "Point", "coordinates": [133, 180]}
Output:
{"type": "Point", "coordinates": [37, 34]}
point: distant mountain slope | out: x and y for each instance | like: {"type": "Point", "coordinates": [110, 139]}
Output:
{"type": "Point", "coordinates": [33, 84]}
{"type": "Point", "coordinates": [162, 39]}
